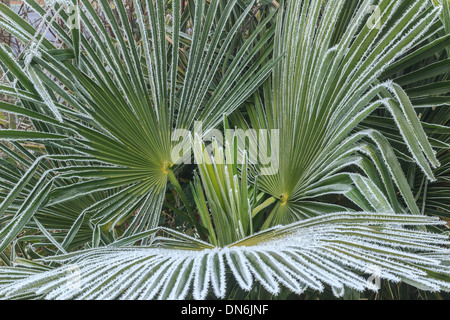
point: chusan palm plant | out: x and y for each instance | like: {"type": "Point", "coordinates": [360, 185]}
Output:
{"type": "Point", "coordinates": [83, 192]}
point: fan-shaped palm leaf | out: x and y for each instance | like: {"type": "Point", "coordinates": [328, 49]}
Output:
{"type": "Point", "coordinates": [334, 250]}
{"type": "Point", "coordinates": [106, 112]}
{"type": "Point", "coordinates": [324, 88]}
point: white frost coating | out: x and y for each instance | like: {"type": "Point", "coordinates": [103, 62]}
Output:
{"type": "Point", "coordinates": [217, 272]}
{"type": "Point", "coordinates": [51, 3]}
{"type": "Point", "coordinates": [202, 278]}
{"type": "Point", "coordinates": [329, 250]}
{"type": "Point", "coordinates": [261, 271]}
{"type": "Point", "coordinates": [372, 193]}
{"type": "Point", "coordinates": [238, 264]}
{"type": "Point", "coordinates": [40, 88]}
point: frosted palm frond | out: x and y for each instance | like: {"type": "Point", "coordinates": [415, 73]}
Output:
{"type": "Point", "coordinates": [333, 250]}
{"type": "Point", "coordinates": [116, 97]}
{"type": "Point", "coordinates": [322, 91]}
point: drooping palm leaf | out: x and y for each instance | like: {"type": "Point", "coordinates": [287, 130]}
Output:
{"type": "Point", "coordinates": [334, 250]}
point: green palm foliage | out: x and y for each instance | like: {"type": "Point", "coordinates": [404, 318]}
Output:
{"type": "Point", "coordinates": [339, 82]}
{"type": "Point", "coordinates": [111, 134]}
{"type": "Point", "coordinates": [320, 111]}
